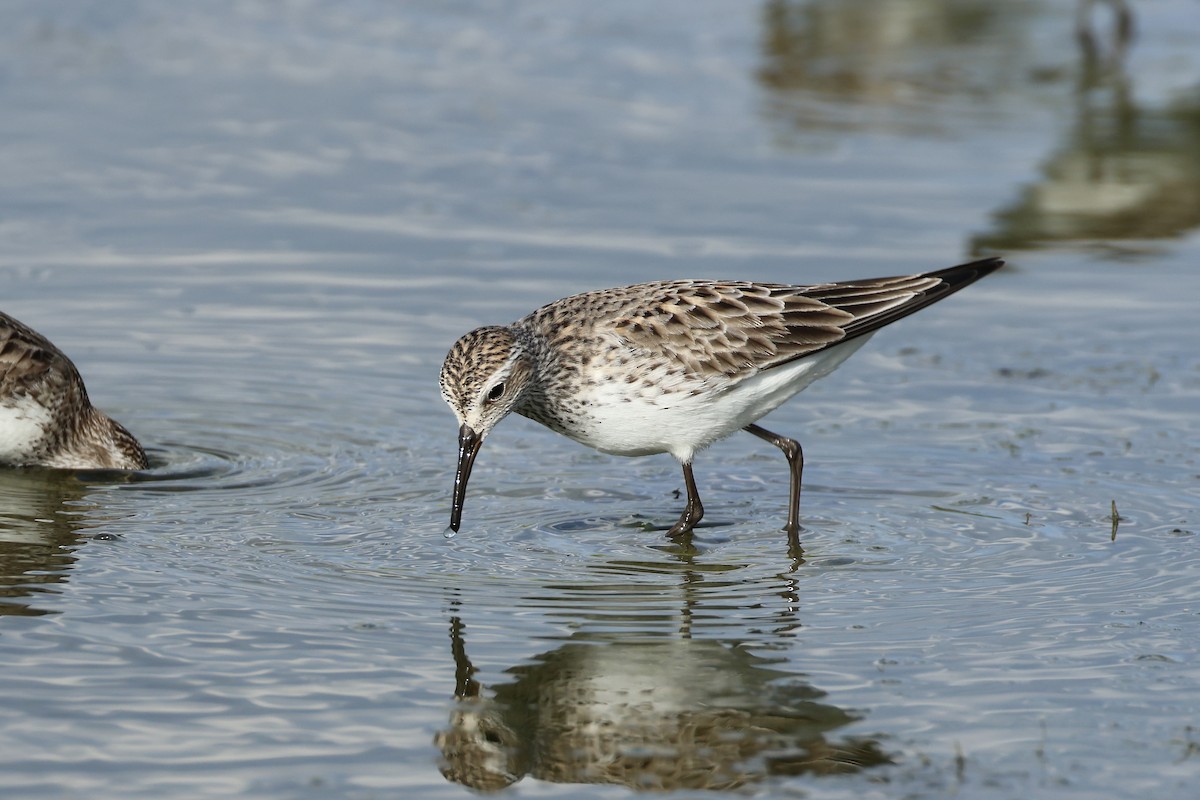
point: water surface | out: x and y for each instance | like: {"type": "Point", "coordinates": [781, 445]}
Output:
{"type": "Point", "coordinates": [257, 228]}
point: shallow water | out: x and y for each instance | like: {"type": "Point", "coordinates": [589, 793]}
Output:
{"type": "Point", "coordinates": [257, 228]}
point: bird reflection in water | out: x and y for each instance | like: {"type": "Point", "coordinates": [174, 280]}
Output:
{"type": "Point", "coordinates": [1126, 173]}
{"type": "Point", "coordinates": [659, 714]}
{"type": "Point", "coordinates": [43, 517]}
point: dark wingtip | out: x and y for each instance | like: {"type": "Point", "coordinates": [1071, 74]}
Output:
{"type": "Point", "coordinates": [963, 274]}
{"type": "Point", "coordinates": [952, 279]}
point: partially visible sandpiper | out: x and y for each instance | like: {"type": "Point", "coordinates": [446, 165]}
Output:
{"type": "Point", "coordinates": [673, 366]}
{"type": "Point", "coordinates": [46, 419]}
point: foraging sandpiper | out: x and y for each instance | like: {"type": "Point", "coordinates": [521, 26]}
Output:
{"type": "Point", "coordinates": [673, 366]}
{"type": "Point", "coordinates": [46, 419]}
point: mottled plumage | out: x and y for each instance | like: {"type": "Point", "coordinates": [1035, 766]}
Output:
{"type": "Point", "coordinates": [672, 366]}
{"type": "Point", "coordinates": [46, 418]}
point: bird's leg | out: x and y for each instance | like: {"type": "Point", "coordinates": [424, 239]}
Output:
{"type": "Point", "coordinates": [795, 457]}
{"type": "Point", "coordinates": [693, 511]}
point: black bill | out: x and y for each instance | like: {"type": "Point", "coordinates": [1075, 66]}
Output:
{"type": "Point", "coordinates": [468, 447]}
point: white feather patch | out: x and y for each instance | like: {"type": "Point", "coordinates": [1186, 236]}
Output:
{"type": "Point", "coordinates": [22, 426]}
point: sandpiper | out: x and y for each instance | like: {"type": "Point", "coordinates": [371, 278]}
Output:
{"type": "Point", "coordinates": [46, 419]}
{"type": "Point", "coordinates": [673, 366]}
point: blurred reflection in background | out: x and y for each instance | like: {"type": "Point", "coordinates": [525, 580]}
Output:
{"type": "Point", "coordinates": [1126, 171]}
{"type": "Point", "coordinates": [901, 65]}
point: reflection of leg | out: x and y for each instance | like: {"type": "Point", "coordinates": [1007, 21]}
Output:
{"type": "Point", "coordinates": [1122, 30]}
{"type": "Point", "coordinates": [795, 457]}
{"type": "Point", "coordinates": [693, 511]}
{"type": "Point", "coordinates": [465, 684]}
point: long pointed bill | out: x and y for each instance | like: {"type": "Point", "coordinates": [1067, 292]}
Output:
{"type": "Point", "coordinates": [469, 443]}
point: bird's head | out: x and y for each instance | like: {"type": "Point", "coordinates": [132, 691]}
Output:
{"type": "Point", "coordinates": [483, 377]}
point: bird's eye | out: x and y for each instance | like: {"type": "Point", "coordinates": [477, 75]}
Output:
{"type": "Point", "coordinates": [494, 393]}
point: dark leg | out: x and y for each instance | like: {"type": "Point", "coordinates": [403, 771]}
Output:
{"type": "Point", "coordinates": [795, 457]}
{"type": "Point", "coordinates": [693, 511]}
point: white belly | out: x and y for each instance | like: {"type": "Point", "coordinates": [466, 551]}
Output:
{"type": "Point", "coordinates": [22, 426]}
{"type": "Point", "coordinates": [681, 423]}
